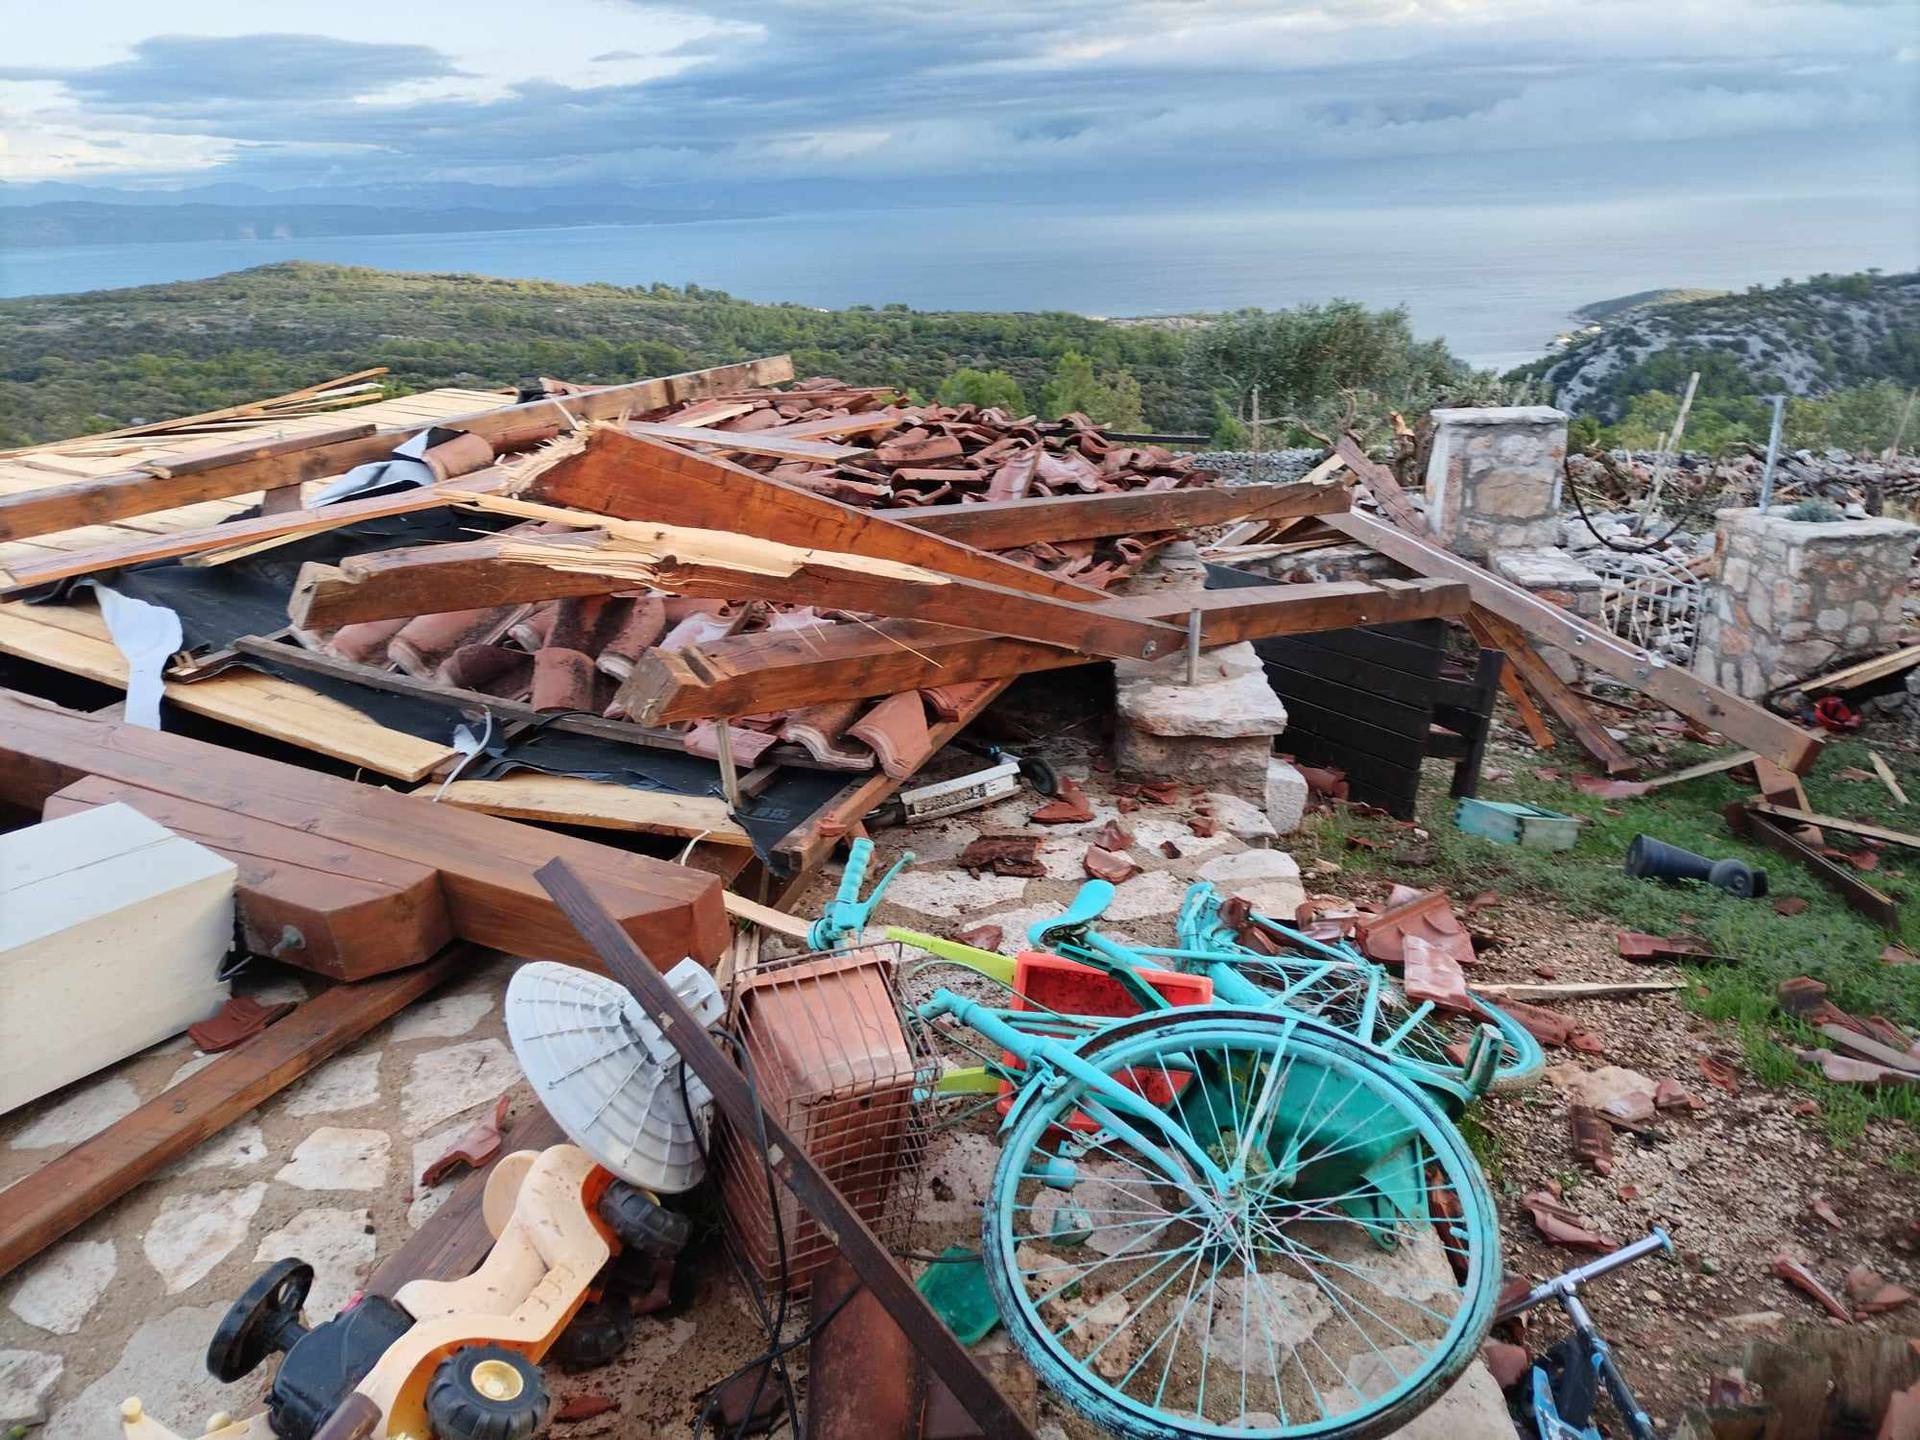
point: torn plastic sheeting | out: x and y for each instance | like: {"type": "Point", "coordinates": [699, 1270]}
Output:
{"type": "Point", "coordinates": [147, 636]}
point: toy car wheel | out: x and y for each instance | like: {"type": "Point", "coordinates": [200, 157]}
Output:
{"type": "Point", "coordinates": [264, 1319]}
{"type": "Point", "coordinates": [488, 1392]}
{"type": "Point", "coordinates": [641, 1221]}
{"type": "Point", "coordinates": [595, 1336]}
{"type": "Point", "coordinates": [1039, 774]}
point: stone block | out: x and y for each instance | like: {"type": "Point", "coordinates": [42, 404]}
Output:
{"type": "Point", "coordinates": [1286, 796]}
{"type": "Point", "coordinates": [1493, 478]}
{"type": "Point", "coordinates": [1237, 766]}
{"type": "Point", "coordinates": [1227, 708]}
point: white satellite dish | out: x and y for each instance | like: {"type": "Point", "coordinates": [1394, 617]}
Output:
{"type": "Point", "coordinates": [607, 1074]}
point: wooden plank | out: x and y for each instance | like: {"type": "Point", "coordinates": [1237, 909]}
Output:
{"type": "Point", "coordinates": [747, 442]}
{"type": "Point", "coordinates": [485, 863]}
{"type": "Point", "coordinates": [138, 549]}
{"type": "Point", "coordinates": [1717, 765]}
{"type": "Point", "coordinates": [568, 800]}
{"type": "Point", "coordinates": [768, 918]}
{"type": "Point", "coordinates": [1580, 989]}
{"type": "Point", "coordinates": [98, 1171]}
{"type": "Point", "coordinates": [1530, 716]}
{"type": "Point", "coordinates": [1885, 772]}
{"type": "Point", "coordinates": [246, 468]}
{"type": "Point", "coordinates": [714, 564]}
{"type": "Point", "coordinates": [1739, 720]}
{"type": "Point", "coordinates": [1867, 1048]}
{"type": "Point", "coordinates": [1007, 524]}
{"type": "Point", "coordinates": [864, 422]}
{"type": "Point", "coordinates": [1491, 630]}
{"type": "Point", "coordinates": [75, 640]}
{"type": "Point", "coordinates": [1800, 816]}
{"type": "Point", "coordinates": [632, 478]}
{"type": "Point", "coordinates": [1864, 672]}
{"type": "Point", "coordinates": [777, 671]}
{"type": "Point", "coordinates": [1838, 876]}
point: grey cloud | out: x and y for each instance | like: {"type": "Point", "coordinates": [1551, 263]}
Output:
{"type": "Point", "coordinates": [204, 71]}
{"type": "Point", "coordinates": [864, 90]}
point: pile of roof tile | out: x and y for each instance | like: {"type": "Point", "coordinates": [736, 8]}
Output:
{"type": "Point", "coordinates": [571, 655]}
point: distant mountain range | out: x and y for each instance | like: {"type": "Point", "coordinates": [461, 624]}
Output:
{"type": "Point", "coordinates": [88, 222]}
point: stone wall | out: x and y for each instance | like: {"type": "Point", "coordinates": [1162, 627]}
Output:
{"type": "Point", "coordinates": [1794, 597]}
{"type": "Point", "coordinates": [1493, 478]}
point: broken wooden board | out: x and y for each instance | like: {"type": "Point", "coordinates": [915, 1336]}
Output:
{"type": "Point", "coordinates": [74, 639]}
{"type": "Point", "coordinates": [1885, 772]}
{"type": "Point", "coordinates": [287, 524]}
{"type": "Point", "coordinates": [1838, 876]}
{"type": "Point", "coordinates": [789, 669]}
{"type": "Point", "coordinates": [711, 564]}
{"type": "Point", "coordinates": [1009, 524]}
{"type": "Point", "coordinates": [1833, 822]}
{"type": "Point", "coordinates": [1864, 672]}
{"type": "Point", "coordinates": [307, 901]}
{"type": "Point", "coordinates": [96, 1172]}
{"type": "Point", "coordinates": [1739, 720]}
{"type": "Point", "coordinates": [1495, 633]}
{"type": "Point", "coordinates": [244, 469]}
{"type": "Point", "coordinates": [1716, 766]}
{"type": "Point", "coordinates": [485, 863]}
{"type": "Point", "coordinates": [569, 800]}
{"type": "Point", "coordinates": [635, 479]}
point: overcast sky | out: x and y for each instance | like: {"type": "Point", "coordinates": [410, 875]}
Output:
{"type": "Point", "coordinates": [893, 100]}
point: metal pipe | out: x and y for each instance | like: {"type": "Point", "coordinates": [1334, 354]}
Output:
{"type": "Point", "coordinates": [1773, 452]}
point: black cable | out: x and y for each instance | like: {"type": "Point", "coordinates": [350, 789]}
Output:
{"type": "Point", "coordinates": [773, 1360]}
{"type": "Point", "coordinates": [1587, 520]}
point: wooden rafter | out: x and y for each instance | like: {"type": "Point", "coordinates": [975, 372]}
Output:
{"type": "Point", "coordinates": [776, 671]}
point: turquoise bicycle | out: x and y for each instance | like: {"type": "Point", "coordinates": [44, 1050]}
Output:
{"type": "Point", "coordinates": [1224, 1221]}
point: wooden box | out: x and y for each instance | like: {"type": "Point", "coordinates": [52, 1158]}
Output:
{"type": "Point", "coordinates": [1512, 824]}
{"type": "Point", "coordinates": [112, 929]}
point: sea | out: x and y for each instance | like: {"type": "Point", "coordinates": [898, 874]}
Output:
{"type": "Point", "coordinates": [1497, 282]}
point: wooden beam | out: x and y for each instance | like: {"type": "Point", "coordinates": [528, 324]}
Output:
{"type": "Point", "coordinates": [244, 469]}
{"type": "Point", "coordinates": [1007, 524]}
{"type": "Point", "coordinates": [1739, 720]}
{"type": "Point", "coordinates": [709, 563]}
{"type": "Point", "coordinates": [747, 442]}
{"type": "Point", "coordinates": [1529, 712]}
{"type": "Point", "coordinates": [631, 478]}
{"type": "Point", "coordinates": [96, 1172]}
{"type": "Point", "coordinates": [777, 671]}
{"type": "Point", "coordinates": [1496, 633]}
{"type": "Point", "coordinates": [1885, 772]}
{"type": "Point", "coordinates": [485, 863]}
{"type": "Point", "coordinates": [1838, 876]}
{"type": "Point", "coordinates": [354, 913]}
{"type": "Point", "coordinates": [138, 549]}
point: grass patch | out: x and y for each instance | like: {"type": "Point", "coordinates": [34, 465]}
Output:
{"type": "Point", "coordinates": [1827, 940]}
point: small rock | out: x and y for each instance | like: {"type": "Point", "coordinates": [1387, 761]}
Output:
{"type": "Point", "coordinates": [80, 1116]}
{"type": "Point", "coordinates": [1237, 817]}
{"type": "Point", "coordinates": [58, 1290]}
{"type": "Point", "coordinates": [27, 1378]}
{"type": "Point", "coordinates": [194, 1232]}
{"type": "Point", "coordinates": [335, 1159]}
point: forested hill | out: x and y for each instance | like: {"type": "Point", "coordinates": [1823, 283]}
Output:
{"type": "Point", "coordinates": [1808, 338]}
{"type": "Point", "coordinates": [70, 364]}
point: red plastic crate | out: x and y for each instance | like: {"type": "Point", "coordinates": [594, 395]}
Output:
{"type": "Point", "coordinates": [1045, 981]}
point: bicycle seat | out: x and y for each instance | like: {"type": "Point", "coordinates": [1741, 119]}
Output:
{"type": "Point", "coordinates": [1088, 906]}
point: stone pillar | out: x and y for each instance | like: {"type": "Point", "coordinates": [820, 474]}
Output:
{"type": "Point", "coordinates": [1793, 597]}
{"type": "Point", "coordinates": [1216, 734]}
{"type": "Point", "coordinates": [1493, 478]}
{"type": "Point", "coordinates": [1560, 579]}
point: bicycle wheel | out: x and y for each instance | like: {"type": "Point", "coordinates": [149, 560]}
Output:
{"type": "Point", "coordinates": [1436, 1041]}
{"type": "Point", "coordinates": [1332, 1290]}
